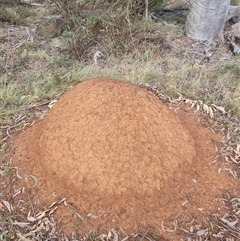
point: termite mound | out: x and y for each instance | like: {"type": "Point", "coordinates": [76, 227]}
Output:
{"type": "Point", "coordinates": [115, 150]}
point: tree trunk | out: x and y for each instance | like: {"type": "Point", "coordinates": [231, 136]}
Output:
{"type": "Point", "coordinates": [206, 18]}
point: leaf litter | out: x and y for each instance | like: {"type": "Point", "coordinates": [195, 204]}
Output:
{"type": "Point", "coordinates": [226, 227]}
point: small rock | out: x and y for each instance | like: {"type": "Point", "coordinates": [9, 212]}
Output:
{"type": "Point", "coordinates": [50, 27]}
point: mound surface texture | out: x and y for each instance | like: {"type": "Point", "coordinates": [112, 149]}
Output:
{"type": "Point", "coordinates": [109, 136]}
{"type": "Point", "coordinates": [115, 150]}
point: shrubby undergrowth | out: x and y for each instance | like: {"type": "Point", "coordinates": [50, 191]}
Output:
{"type": "Point", "coordinates": [109, 25]}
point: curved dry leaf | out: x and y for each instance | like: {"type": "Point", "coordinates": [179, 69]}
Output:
{"type": "Point", "coordinates": [219, 235]}
{"type": "Point", "coordinates": [202, 232]}
{"type": "Point", "coordinates": [90, 215]}
{"type": "Point", "coordinates": [34, 179]}
{"type": "Point", "coordinates": [21, 224]}
{"type": "Point", "coordinates": [17, 174]}
{"type": "Point", "coordinates": [40, 215]}
{"type": "Point", "coordinates": [109, 235]}
{"type": "Point", "coordinates": [18, 192]}
{"type": "Point", "coordinates": [102, 237]}
{"type": "Point", "coordinates": [21, 237]}
{"type": "Point", "coordinates": [222, 109]}
{"type": "Point", "coordinates": [226, 159]}
{"type": "Point", "coordinates": [170, 230]}
{"type": "Point", "coordinates": [61, 201]}
{"type": "Point", "coordinates": [79, 216]}
{"type": "Point", "coordinates": [193, 104]}
{"type": "Point", "coordinates": [53, 210]}
{"type": "Point", "coordinates": [52, 204]}
{"type": "Point", "coordinates": [234, 160]}
{"type": "Point", "coordinates": [198, 107]}
{"type": "Point", "coordinates": [184, 203]}
{"type": "Point", "coordinates": [238, 148]}
{"type": "Point", "coordinates": [35, 230]}
{"type": "Point", "coordinates": [206, 108]}
{"type": "Point", "coordinates": [211, 112]}
{"type": "Point", "coordinates": [7, 205]}
{"type": "Point", "coordinates": [66, 204]}
{"type": "Point", "coordinates": [184, 230]}
{"type": "Point", "coordinates": [126, 238]}
{"type": "Point", "coordinates": [235, 199]}
{"type": "Point", "coordinates": [52, 103]}
{"type": "Point", "coordinates": [229, 223]}
{"type": "Point", "coordinates": [112, 235]}
{"type": "Point", "coordinates": [31, 219]}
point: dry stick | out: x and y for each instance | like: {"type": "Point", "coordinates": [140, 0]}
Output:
{"type": "Point", "coordinates": [21, 237]}
{"type": "Point", "coordinates": [146, 10]}
{"type": "Point", "coordinates": [145, 236]}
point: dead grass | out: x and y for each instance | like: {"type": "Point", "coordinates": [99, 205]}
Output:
{"type": "Point", "coordinates": [32, 74]}
{"type": "Point", "coordinates": [16, 15]}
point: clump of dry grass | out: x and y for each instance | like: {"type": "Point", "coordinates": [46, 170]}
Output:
{"type": "Point", "coordinates": [16, 15]}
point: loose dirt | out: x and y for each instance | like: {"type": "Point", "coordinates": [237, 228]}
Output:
{"type": "Point", "coordinates": [123, 158]}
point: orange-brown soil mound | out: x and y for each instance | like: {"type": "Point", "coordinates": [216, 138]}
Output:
{"type": "Point", "coordinates": [116, 151]}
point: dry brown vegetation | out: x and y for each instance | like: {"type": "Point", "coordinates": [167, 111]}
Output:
{"type": "Point", "coordinates": [153, 54]}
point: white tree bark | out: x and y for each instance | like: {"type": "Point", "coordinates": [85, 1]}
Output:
{"type": "Point", "coordinates": [206, 18]}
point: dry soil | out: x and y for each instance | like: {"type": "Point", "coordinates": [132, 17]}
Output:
{"type": "Point", "coordinates": [123, 158]}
